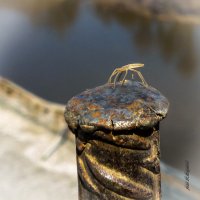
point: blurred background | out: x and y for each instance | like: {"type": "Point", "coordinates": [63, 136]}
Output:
{"type": "Point", "coordinates": [58, 48]}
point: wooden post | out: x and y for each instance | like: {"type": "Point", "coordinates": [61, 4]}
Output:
{"type": "Point", "coordinates": [117, 141]}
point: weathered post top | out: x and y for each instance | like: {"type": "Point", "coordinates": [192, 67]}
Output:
{"type": "Point", "coordinates": [117, 140]}
{"type": "Point", "coordinates": [125, 107]}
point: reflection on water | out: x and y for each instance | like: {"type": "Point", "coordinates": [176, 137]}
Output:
{"type": "Point", "coordinates": [57, 66]}
{"type": "Point", "coordinates": [174, 41]}
{"type": "Point", "coordinates": [58, 14]}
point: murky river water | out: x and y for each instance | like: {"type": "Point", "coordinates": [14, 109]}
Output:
{"type": "Point", "coordinates": [57, 49]}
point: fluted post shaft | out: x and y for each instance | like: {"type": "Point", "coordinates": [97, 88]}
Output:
{"type": "Point", "coordinates": [117, 141]}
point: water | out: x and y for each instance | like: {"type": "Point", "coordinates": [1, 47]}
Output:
{"type": "Point", "coordinates": [57, 49]}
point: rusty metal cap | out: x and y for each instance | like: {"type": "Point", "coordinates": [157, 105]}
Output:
{"type": "Point", "coordinates": [125, 107]}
